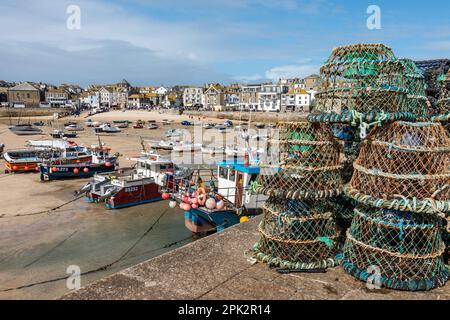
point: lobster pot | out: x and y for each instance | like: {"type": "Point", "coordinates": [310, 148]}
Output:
{"type": "Point", "coordinates": [405, 248]}
{"type": "Point", "coordinates": [308, 164]}
{"type": "Point", "coordinates": [345, 210]}
{"type": "Point", "coordinates": [404, 166]}
{"type": "Point", "coordinates": [415, 84]}
{"type": "Point", "coordinates": [300, 183]}
{"type": "Point", "coordinates": [298, 235]}
{"type": "Point", "coordinates": [362, 78]}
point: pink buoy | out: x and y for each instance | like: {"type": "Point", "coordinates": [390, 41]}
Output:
{"type": "Point", "coordinates": [76, 171]}
{"type": "Point", "coordinates": [187, 207]}
{"type": "Point", "coordinates": [108, 164]}
{"type": "Point", "coordinates": [194, 206]}
{"type": "Point", "coordinates": [220, 205]}
{"type": "Point", "coordinates": [85, 170]}
{"type": "Point", "coordinates": [166, 196]}
{"type": "Point", "coordinates": [211, 204]}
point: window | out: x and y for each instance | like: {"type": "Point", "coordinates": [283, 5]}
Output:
{"type": "Point", "coordinates": [232, 175]}
{"type": "Point", "coordinates": [223, 173]}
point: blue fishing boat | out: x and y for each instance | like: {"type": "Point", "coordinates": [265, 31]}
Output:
{"type": "Point", "coordinates": [209, 208]}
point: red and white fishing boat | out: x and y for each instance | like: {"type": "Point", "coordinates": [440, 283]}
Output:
{"type": "Point", "coordinates": [141, 186]}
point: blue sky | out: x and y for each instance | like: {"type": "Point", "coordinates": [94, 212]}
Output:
{"type": "Point", "coordinates": [167, 42]}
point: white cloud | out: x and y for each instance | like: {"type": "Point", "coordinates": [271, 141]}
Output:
{"type": "Point", "coordinates": [291, 71]}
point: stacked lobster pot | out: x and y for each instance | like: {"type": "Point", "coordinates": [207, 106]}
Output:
{"type": "Point", "coordinates": [401, 181]}
{"type": "Point", "coordinates": [299, 229]}
{"type": "Point", "coordinates": [400, 177]}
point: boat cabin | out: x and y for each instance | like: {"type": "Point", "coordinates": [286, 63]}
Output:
{"type": "Point", "coordinates": [153, 166]}
{"type": "Point", "coordinates": [100, 154]}
{"type": "Point", "coordinates": [235, 180]}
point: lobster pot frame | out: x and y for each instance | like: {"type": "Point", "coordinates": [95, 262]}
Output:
{"type": "Point", "coordinates": [404, 166]}
{"type": "Point", "coordinates": [405, 247]}
{"type": "Point", "coordinates": [298, 235]}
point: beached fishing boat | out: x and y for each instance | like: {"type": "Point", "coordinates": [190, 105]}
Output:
{"type": "Point", "coordinates": [166, 122]}
{"type": "Point", "coordinates": [92, 124]}
{"type": "Point", "coordinates": [174, 133]}
{"type": "Point", "coordinates": [141, 186]}
{"type": "Point", "coordinates": [107, 128]}
{"type": "Point", "coordinates": [152, 126]}
{"type": "Point", "coordinates": [39, 123]}
{"type": "Point", "coordinates": [164, 145]}
{"type": "Point", "coordinates": [101, 161]}
{"type": "Point", "coordinates": [50, 151]}
{"type": "Point", "coordinates": [223, 201]}
{"type": "Point", "coordinates": [208, 126]}
{"type": "Point", "coordinates": [74, 127]}
{"type": "Point", "coordinates": [25, 130]}
{"type": "Point", "coordinates": [59, 134]}
{"type": "Point", "coordinates": [187, 147]}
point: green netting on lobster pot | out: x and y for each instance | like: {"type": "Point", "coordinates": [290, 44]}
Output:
{"type": "Point", "coordinates": [415, 83]}
{"type": "Point", "coordinates": [298, 235]}
{"type": "Point", "coordinates": [444, 97]}
{"type": "Point", "coordinates": [309, 163]}
{"type": "Point", "coordinates": [362, 78]}
{"type": "Point", "coordinates": [406, 248]}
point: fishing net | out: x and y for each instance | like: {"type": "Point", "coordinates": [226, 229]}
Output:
{"type": "Point", "coordinates": [308, 163]}
{"type": "Point", "coordinates": [444, 97]}
{"type": "Point", "coordinates": [298, 234]}
{"type": "Point", "coordinates": [404, 166]}
{"type": "Point", "coordinates": [405, 247]}
{"type": "Point", "coordinates": [366, 82]}
{"type": "Point", "coordinates": [415, 84]}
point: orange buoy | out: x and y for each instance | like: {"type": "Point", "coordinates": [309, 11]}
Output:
{"type": "Point", "coordinates": [15, 167]}
{"type": "Point", "coordinates": [54, 169]}
{"type": "Point", "coordinates": [26, 168]}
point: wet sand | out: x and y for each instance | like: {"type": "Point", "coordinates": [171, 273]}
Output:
{"type": "Point", "coordinates": [36, 246]}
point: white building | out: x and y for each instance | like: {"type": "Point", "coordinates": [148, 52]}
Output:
{"type": "Point", "coordinates": [57, 97]}
{"type": "Point", "coordinates": [161, 91]}
{"type": "Point", "coordinates": [270, 97]}
{"type": "Point", "coordinates": [296, 100]}
{"type": "Point", "coordinates": [192, 96]}
{"type": "Point", "coordinates": [90, 98]}
{"type": "Point", "coordinates": [106, 97]}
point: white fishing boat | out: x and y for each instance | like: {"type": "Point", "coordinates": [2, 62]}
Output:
{"type": "Point", "coordinates": [187, 147]}
{"type": "Point", "coordinates": [74, 127]}
{"type": "Point", "coordinates": [164, 145]}
{"type": "Point", "coordinates": [152, 126]}
{"type": "Point", "coordinates": [173, 133]}
{"type": "Point", "coordinates": [166, 122]}
{"type": "Point", "coordinates": [107, 128]}
{"type": "Point", "coordinates": [211, 150]}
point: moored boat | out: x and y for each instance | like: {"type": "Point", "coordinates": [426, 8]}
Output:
{"type": "Point", "coordinates": [100, 162]}
{"type": "Point", "coordinates": [209, 208]}
{"type": "Point", "coordinates": [141, 186]}
{"type": "Point", "coordinates": [25, 130]}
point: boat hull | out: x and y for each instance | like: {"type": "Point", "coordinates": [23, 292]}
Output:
{"type": "Point", "coordinates": [59, 172]}
{"type": "Point", "coordinates": [133, 196]}
{"type": "Point", "coordinates": [199, 221]}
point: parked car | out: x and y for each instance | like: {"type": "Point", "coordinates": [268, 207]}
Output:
{"type": "Point", "coordinates": [186, 123]}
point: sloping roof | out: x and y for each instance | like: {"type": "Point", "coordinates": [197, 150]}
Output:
{"type": "Point", "coordinates": [25, 86]}
{"type": "Point", "coordinates": [297, 91]}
